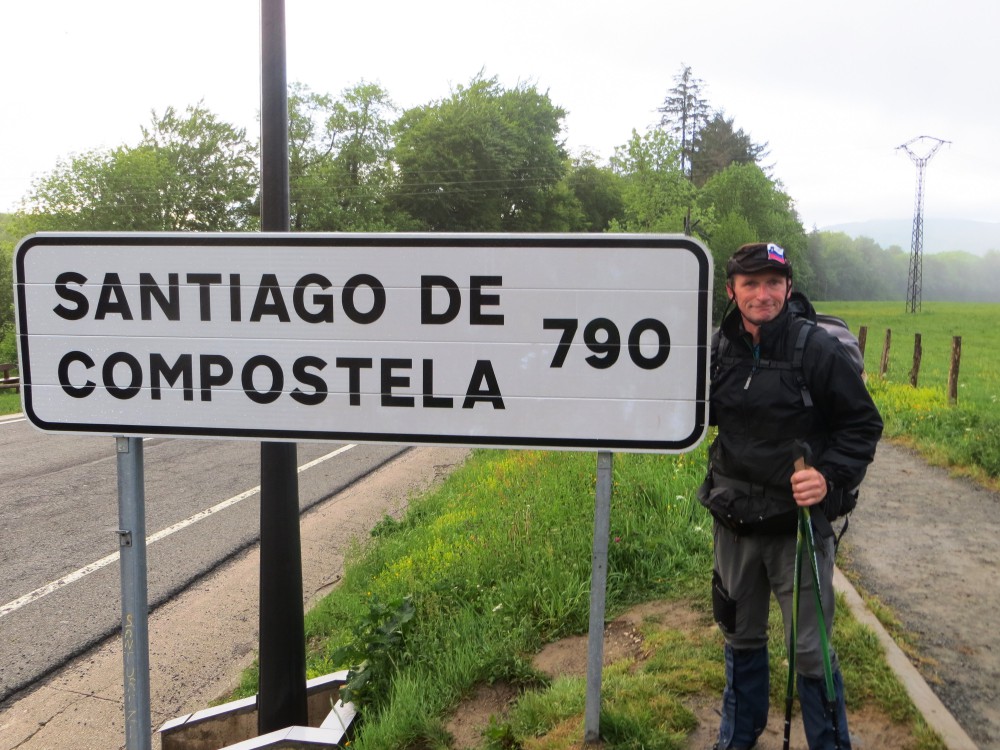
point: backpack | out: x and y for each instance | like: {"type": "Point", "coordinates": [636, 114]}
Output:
{"type": "Point", "coordinates": [844, 499]}
{"type": "Point", "coordinates": [837, 328]}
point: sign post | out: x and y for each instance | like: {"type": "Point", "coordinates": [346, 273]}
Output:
{"type": "Point", "coordinates": [598, 596]}
{"type": "Point", "coordinates": [281, 699]}
{"type": "Point", "coordinates": [135, 600]}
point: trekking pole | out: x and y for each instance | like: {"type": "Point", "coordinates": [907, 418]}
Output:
{"type": "Point", "coordinates": [790, 689]}
{"type": "Point", "coordinates": [806, 531]}
{"type": "Point", "coordinates": [824, 641]}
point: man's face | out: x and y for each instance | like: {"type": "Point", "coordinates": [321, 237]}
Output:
{"type": "Point", "coordinates": [759, 296]}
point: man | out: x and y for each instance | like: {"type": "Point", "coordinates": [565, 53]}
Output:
{"type": "Point", "coordinates": [770, 413]}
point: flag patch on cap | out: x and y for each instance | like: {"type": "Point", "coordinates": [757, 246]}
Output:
{"type": "Point", "coordinates": [775, 252]}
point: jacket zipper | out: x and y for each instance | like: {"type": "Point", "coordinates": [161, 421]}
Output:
{"type": "Point", "coordinates": [756, 362]}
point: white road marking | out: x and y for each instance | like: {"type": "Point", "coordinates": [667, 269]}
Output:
{"type": "Point", "coordinates": [86, 570]}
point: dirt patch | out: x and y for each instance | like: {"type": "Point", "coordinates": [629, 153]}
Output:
{"type": "Point", "coordinates": [466, 726]}
{"type": "Point", "coordinates": [623, 641]}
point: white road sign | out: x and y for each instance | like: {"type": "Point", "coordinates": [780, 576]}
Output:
{"type": "Point", "coordinates": [596, 342]}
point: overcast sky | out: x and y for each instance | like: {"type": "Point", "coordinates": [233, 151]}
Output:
{"type": "Point", "coordinates": [833, 87]}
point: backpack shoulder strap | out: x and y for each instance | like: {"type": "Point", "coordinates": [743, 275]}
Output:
{"type": "Point", "coordinates": [805, 329]}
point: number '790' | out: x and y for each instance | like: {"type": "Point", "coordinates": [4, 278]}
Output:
{"type": "Point", "coordinates": [602, 337]}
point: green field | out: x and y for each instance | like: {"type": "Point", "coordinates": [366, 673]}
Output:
{"type": "Point", "coordinates": [937, 323]}
{"type": "Point", "coordinates": [964, 437]}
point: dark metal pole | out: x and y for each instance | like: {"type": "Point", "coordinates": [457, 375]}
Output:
{"type": "Point", "coordinates": [281, 701]}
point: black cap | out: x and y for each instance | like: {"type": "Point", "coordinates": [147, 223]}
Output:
{"type": "Point", "coordinates": [759, 256]}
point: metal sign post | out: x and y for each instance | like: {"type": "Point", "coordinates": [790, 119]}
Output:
{"type": "Point", "coordinates": [598, 596]}
{"type": "Point", "coordinates": [135, 604]}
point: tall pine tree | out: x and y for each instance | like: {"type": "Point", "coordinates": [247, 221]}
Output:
{"type": "Point", "coordinates": [684, 113]}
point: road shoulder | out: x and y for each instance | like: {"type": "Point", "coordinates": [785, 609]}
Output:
{"type": "Point", "coordinates": [201, 641]}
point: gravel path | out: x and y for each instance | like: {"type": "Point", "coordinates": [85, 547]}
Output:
{"type": "Point", "coordinates": [925, 543]}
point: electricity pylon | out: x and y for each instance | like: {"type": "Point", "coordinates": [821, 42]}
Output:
{"type": "Point", "coordinates": [928, 146]}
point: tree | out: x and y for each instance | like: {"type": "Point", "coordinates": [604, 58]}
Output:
{"type": "Point", "coordinates": [685, 112]}
{"type": "Point", "coordinates": [8, 237]}
{"type": "Point", "coordinates": [744, 189]}
{"type": "Point", "coordinates": [656, 195]}
{"type": "Point", "coordinates": [719, 144]}
{"type": "Point", "coordinates": [484, 159]}
{"type": "Point", "coordinates": [339, 168]}
{"type": "Point", "coordinates": [188, 173]}
{"type": "Point", "coordinates": [598, 191]}
{"type": "Point", "coordinates": [749, 207]}
{"type": "Point", "coordinates": [208, 172]}
{"type": "Point", "coordinates": [728, 233]}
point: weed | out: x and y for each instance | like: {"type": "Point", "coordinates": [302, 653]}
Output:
{"type": "Point", "coordinates": [376, 651]}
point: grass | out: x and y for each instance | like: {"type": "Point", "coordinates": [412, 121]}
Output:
{"type": "Point", "coordinates": [497, 562]}
{"type": "Point", "coordinates": [937, 323]}
{"type": "Point", "coordinates": [10, 402]}
{"type": "Point", "coordinates": [964, 437]}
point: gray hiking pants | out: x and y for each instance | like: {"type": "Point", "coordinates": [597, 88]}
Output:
{"type": "Point", "coordinates": [748, 569]}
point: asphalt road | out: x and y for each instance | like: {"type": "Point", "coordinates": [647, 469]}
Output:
{"type": "Point", "coordinates": [59, 516]}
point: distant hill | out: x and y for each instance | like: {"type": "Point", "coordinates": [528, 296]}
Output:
{"type": "Point", "coordinates": [940, 235]}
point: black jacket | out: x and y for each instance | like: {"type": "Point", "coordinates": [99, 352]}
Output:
{"type": "Point", "coordinates": [762, 417]}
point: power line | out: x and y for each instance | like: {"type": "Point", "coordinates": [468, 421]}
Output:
{"type": "Point", "coordinates": [920, 150]}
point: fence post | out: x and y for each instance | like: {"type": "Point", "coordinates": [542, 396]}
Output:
{"type": "Point", "coordinates": [956, 358]}
{"type": "Point", "coordinates": [917, 354]}
{"type": "Point", "coordinates": [884, 367]}
{"type": "Point", "coordinates": [862, 339]}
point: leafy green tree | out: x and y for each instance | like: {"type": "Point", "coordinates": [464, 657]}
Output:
{"type": "Point", "coordinates": [599, 193]}
{"type": "Point", "coordinates": [848, 268]}
{"type": "Point", "coordinates": [484, 159]}
{"type": "Point", "coordinates": [561, 210]}
{"type": "Point", "coordinates": [339, 167]}
{"type": "Point", "coordinates": [188, 173]}
{"type": "Point", "coordinates": [745, 190]}
{"type": "Point", "coordinates": [13, 228]}
{"type": "Point", "coordinates": [728, 233]}
{"type": "Point", "coordinates": [749, 207]}
{"type": "Point", "coordinates": [656, 195]}
{"type": "Point", "coordinates": [718, 144]}
{"type": "Point", "coordinates": [8, 347]}
{"type": "Point", "coordinates": [685, 112]}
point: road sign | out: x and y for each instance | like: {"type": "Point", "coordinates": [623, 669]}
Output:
{"type": "Point", "coordinates": [596, 342]}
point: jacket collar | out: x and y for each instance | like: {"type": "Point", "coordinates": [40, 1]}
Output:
{"type": "Point", "coordinates": [772, 333]}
